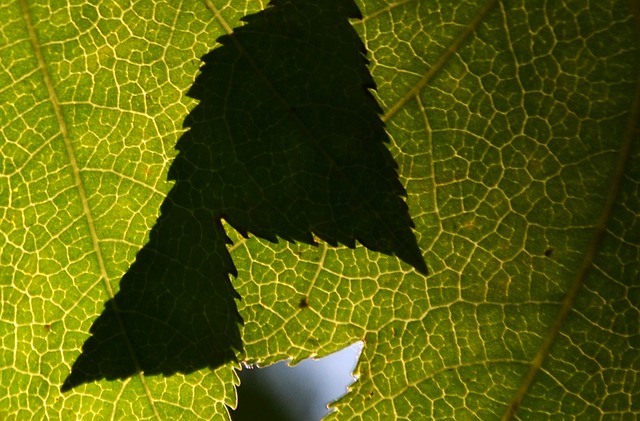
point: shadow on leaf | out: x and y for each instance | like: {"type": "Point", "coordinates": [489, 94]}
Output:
{"type": "Point", "coordinates": [286, 142]}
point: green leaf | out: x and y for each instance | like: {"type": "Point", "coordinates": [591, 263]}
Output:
{"type": "Point", "coordinates": [515, 127]}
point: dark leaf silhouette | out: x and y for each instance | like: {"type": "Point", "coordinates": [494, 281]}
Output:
{"type": "Point", "coordinates": [286, 142]}
{"type": "Point", "coordinates": [175, 311]}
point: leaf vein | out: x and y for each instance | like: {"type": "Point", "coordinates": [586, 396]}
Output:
{"type": "Point", "coordinates": [588, 261]}
{"type": "Point", "coordinates": [442, 60]}
{"type": "Point", "coordinates": [73, 162]}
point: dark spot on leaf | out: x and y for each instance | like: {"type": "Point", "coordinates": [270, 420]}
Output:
{"type": "Point", "coordinates": [548, 252]}
{"type": "Point", "coordinates": [304, 303]}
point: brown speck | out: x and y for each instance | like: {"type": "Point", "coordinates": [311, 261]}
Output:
{"type": "Point", "coordinates": [304, 302]}
{"type": "Point", "coordinates": [548, 252]}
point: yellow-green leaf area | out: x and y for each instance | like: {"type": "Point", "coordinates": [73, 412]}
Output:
{"type": "Point", "coordinates": [515, 128]}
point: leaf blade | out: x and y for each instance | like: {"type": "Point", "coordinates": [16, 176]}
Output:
{"type": "Point", "coordinates": [458, 187]}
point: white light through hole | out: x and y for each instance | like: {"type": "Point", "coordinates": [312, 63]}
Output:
{"type": "Point", "coordinates": [307, 388]}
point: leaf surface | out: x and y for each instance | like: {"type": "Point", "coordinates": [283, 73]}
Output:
{"type": "Point", "coordinates": [515, 127]}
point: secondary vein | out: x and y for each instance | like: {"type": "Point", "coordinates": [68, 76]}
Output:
{"type": "Point", "coordinates": [64, 132]}
{"type": "Point", "coordinates": [73, 162]}
{"type": "Point", "coordinates": [442, 60]}
{"type": "Point", "coordinates": [587, 263]}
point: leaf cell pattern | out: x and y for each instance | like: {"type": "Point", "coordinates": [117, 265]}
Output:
{"type": "Point", "coordinates": [509, 122]}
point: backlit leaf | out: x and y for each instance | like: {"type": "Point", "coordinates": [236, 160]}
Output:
{"type": "Point", "coordinates": [515, 128]}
